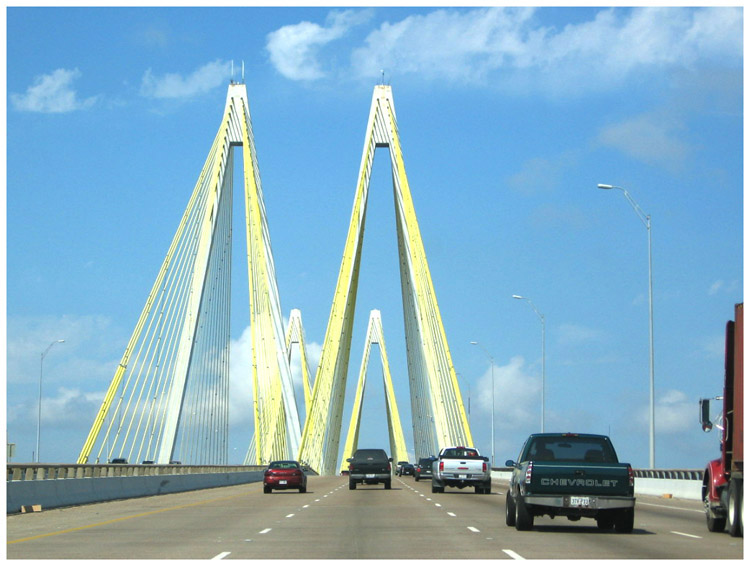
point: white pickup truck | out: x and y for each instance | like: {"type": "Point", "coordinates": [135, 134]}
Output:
{"type": "Point", "coordinates": [461, 467]}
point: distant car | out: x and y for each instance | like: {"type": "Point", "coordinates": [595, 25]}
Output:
{"type": "Point", "coordinates": [118, 461]}
{"type": "Point", "coordinates": [405, 469]}
{"type": "Point", "coordinates": [423, 469]}
{"type": "Point", "coordinates": [147, 462]}
{"type": "Point", "coordinates": [284, 474]}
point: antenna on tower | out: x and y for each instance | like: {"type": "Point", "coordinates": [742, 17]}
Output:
{"type": "Point", "coordinates": [382, 77]}
{"type": "Point", "coordinates": [231, 78]}
{"type": "Point", "coordinates": [243, 71]}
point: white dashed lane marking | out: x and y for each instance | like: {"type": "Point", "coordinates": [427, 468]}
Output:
{"type": "Point", "coordinates": [684, 534]}
{"type": "Point", "coordinates": [513, 555]}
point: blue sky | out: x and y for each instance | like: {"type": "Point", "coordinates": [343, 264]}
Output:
{"type": "Point", "coordinates": [508, 118]}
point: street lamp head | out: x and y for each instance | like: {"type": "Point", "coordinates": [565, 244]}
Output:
{"type": "Point", "coordinates": [603, 186]}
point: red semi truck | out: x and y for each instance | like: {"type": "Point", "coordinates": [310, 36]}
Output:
{"type": "Point", "coordinates": [722, 480]}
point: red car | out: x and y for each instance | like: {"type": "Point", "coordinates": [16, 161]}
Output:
{"type": "Point", "coordinates": [284, 474]}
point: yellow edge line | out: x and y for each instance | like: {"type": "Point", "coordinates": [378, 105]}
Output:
{"type": "Point", "coordinates": [120, 519]}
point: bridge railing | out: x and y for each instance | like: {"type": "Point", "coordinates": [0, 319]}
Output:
{"type": "Point", "coordinates": [30, 472]}
{"type": "Point", "coordinates": [670, 474]}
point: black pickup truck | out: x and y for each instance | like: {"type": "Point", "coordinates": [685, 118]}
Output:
{"type": "Point", "coordinates": [573, 475]}
{"type": "Point", "coordinates": [369, 466]}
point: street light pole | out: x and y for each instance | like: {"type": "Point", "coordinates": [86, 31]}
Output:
{"type": "Point", "coordinates": [544, 377]}
{"type": "Point", "coordinates": [646, 219]}
{"type": "Point", "coordinates": [492, 375]}
{"type": "Point", "coordinates": [39, 415]}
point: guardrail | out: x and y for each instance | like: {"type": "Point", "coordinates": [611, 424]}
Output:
{"type": "Point", "coordinates": [29, 472]}
{"type": "Point", "coordinates": [670, 474]}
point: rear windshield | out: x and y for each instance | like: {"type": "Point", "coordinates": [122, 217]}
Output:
{"type": "Point", "coordinates": [460, 453]}
{"type": "Point", "coordinates": [370, 454]}
{"type": "Point", "coordinates": [284, 465]}
{"type": "Point", "coordinates": [571, 449]}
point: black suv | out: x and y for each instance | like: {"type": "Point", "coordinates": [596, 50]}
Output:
{"type": "Point", "coordinates": [370, 466]}
{"type": "Point", "coordinates": [423, 469]}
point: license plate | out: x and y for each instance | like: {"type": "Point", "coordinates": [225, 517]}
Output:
{"type": "Point", "coordinates": [282, 482]}
{"type": "Point", "coordinates": [369, 476]}
{"type": "Point", "coordinates": [462, 476]}
{"type": "Point", "coordinates": [579, 502]}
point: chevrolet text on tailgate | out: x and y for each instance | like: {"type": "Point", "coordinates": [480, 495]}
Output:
{"type": "Point", "coordinates": [460, 467]}
{"type": "Point", "coordinates": [573, 475]}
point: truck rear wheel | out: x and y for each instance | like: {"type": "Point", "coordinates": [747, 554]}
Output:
{"type": "Point", "coordinates": [624, 520]}
{"type": "Point", "coordinates": [734, 508]}
{"type": "Point", "coordinates": [510, 510]}
{"type": "Point", "coordinates": [388, 484]}
{"type": "Point", "coordinates": [352, 484]}
{"type": "Point", "coordinates": [524, 518]}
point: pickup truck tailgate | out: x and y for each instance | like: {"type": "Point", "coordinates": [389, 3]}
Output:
{"type": "Point", "coordinates": [561, 478]}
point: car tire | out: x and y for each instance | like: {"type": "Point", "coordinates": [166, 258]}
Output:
{"type": "Point", "coordinates": [303, 489]}
{"type": "Point", "coordinates": [388, 484]}
{"type": "Point", "coordinates": [624, 520]}
{"type": "Point", "coordinates": [510, 510]}
{"type": "Point", "coordinates": [605, 521]}
{"type": "Point", "coordinates": [352, 484]}
{"type": "Point", "coordinates": [734, 508]}
{"type": "Point", "coordinates": [416, 477]}
{"type": "Point", "coordinates": [524, 518]}
{"type": "Point", "coordinates": [266, 489]}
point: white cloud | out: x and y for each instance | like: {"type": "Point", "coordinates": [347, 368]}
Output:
{"type": "Point", "coordinates": [723, 286]}
{"type": "Point", "coordinates": [295, 49]}
{"type": "Point", "coordinates": [52, 93]}
{"type": "Point", "coordinates": [517, 395]}
{"type": "Point", "coordinates": [570, 334]}
{"type": "Point", "coordinates": [655, 140]}
{"type": "Point", "coordinates": [675, 413]}
{"type": "Point", "coordinates": [510, 48]}
{"type": "Point", "coordinates": [174, 85]}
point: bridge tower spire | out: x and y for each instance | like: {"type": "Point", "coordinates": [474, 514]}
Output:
{"type": "Point", "coordinates": [438, 415]}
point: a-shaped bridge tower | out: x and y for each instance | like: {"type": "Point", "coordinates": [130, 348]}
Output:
{"type": "Point", "coordinates": [169, 397]}
{"type": "Point", "coordinates": [437, 410]}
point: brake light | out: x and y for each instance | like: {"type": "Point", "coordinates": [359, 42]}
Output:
{"type": "Point", "coordinates": [527, 480]}
{"type": "Point", "coordinates": [631, 477]}
{"type": "Point", "coordinates": [389, 466]}
{"type": "Point", "coordinates": [441, 465]}
{"type": "Point", "coordinates": [484, 466]}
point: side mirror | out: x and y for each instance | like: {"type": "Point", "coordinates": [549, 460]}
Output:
{"type": "Point", "coordinates": [390, 459]}
{"type": "Point", "coordinates": [705, 415]}
{"type": "Point", "coordinates": [510, 463]}
{"type": "Point", "coordinates": [349, 459]}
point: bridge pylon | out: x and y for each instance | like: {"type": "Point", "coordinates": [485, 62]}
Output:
{"type": "Point", "coordinates": [438, 415]}
{"type": "Point", "coordinates": [169, 397]}
{"type": "Point", "coordinates": [375, 335]}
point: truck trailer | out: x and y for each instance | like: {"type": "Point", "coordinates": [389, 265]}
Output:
{"type": "Point", "coordinates": [722, 479]}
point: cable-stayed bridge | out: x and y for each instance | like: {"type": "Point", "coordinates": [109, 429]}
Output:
{"type": "Point", "coordinates": [169, 397]}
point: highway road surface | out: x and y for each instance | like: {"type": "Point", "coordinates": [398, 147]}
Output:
{"type": "Point", "coordinates": [331, 521]}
